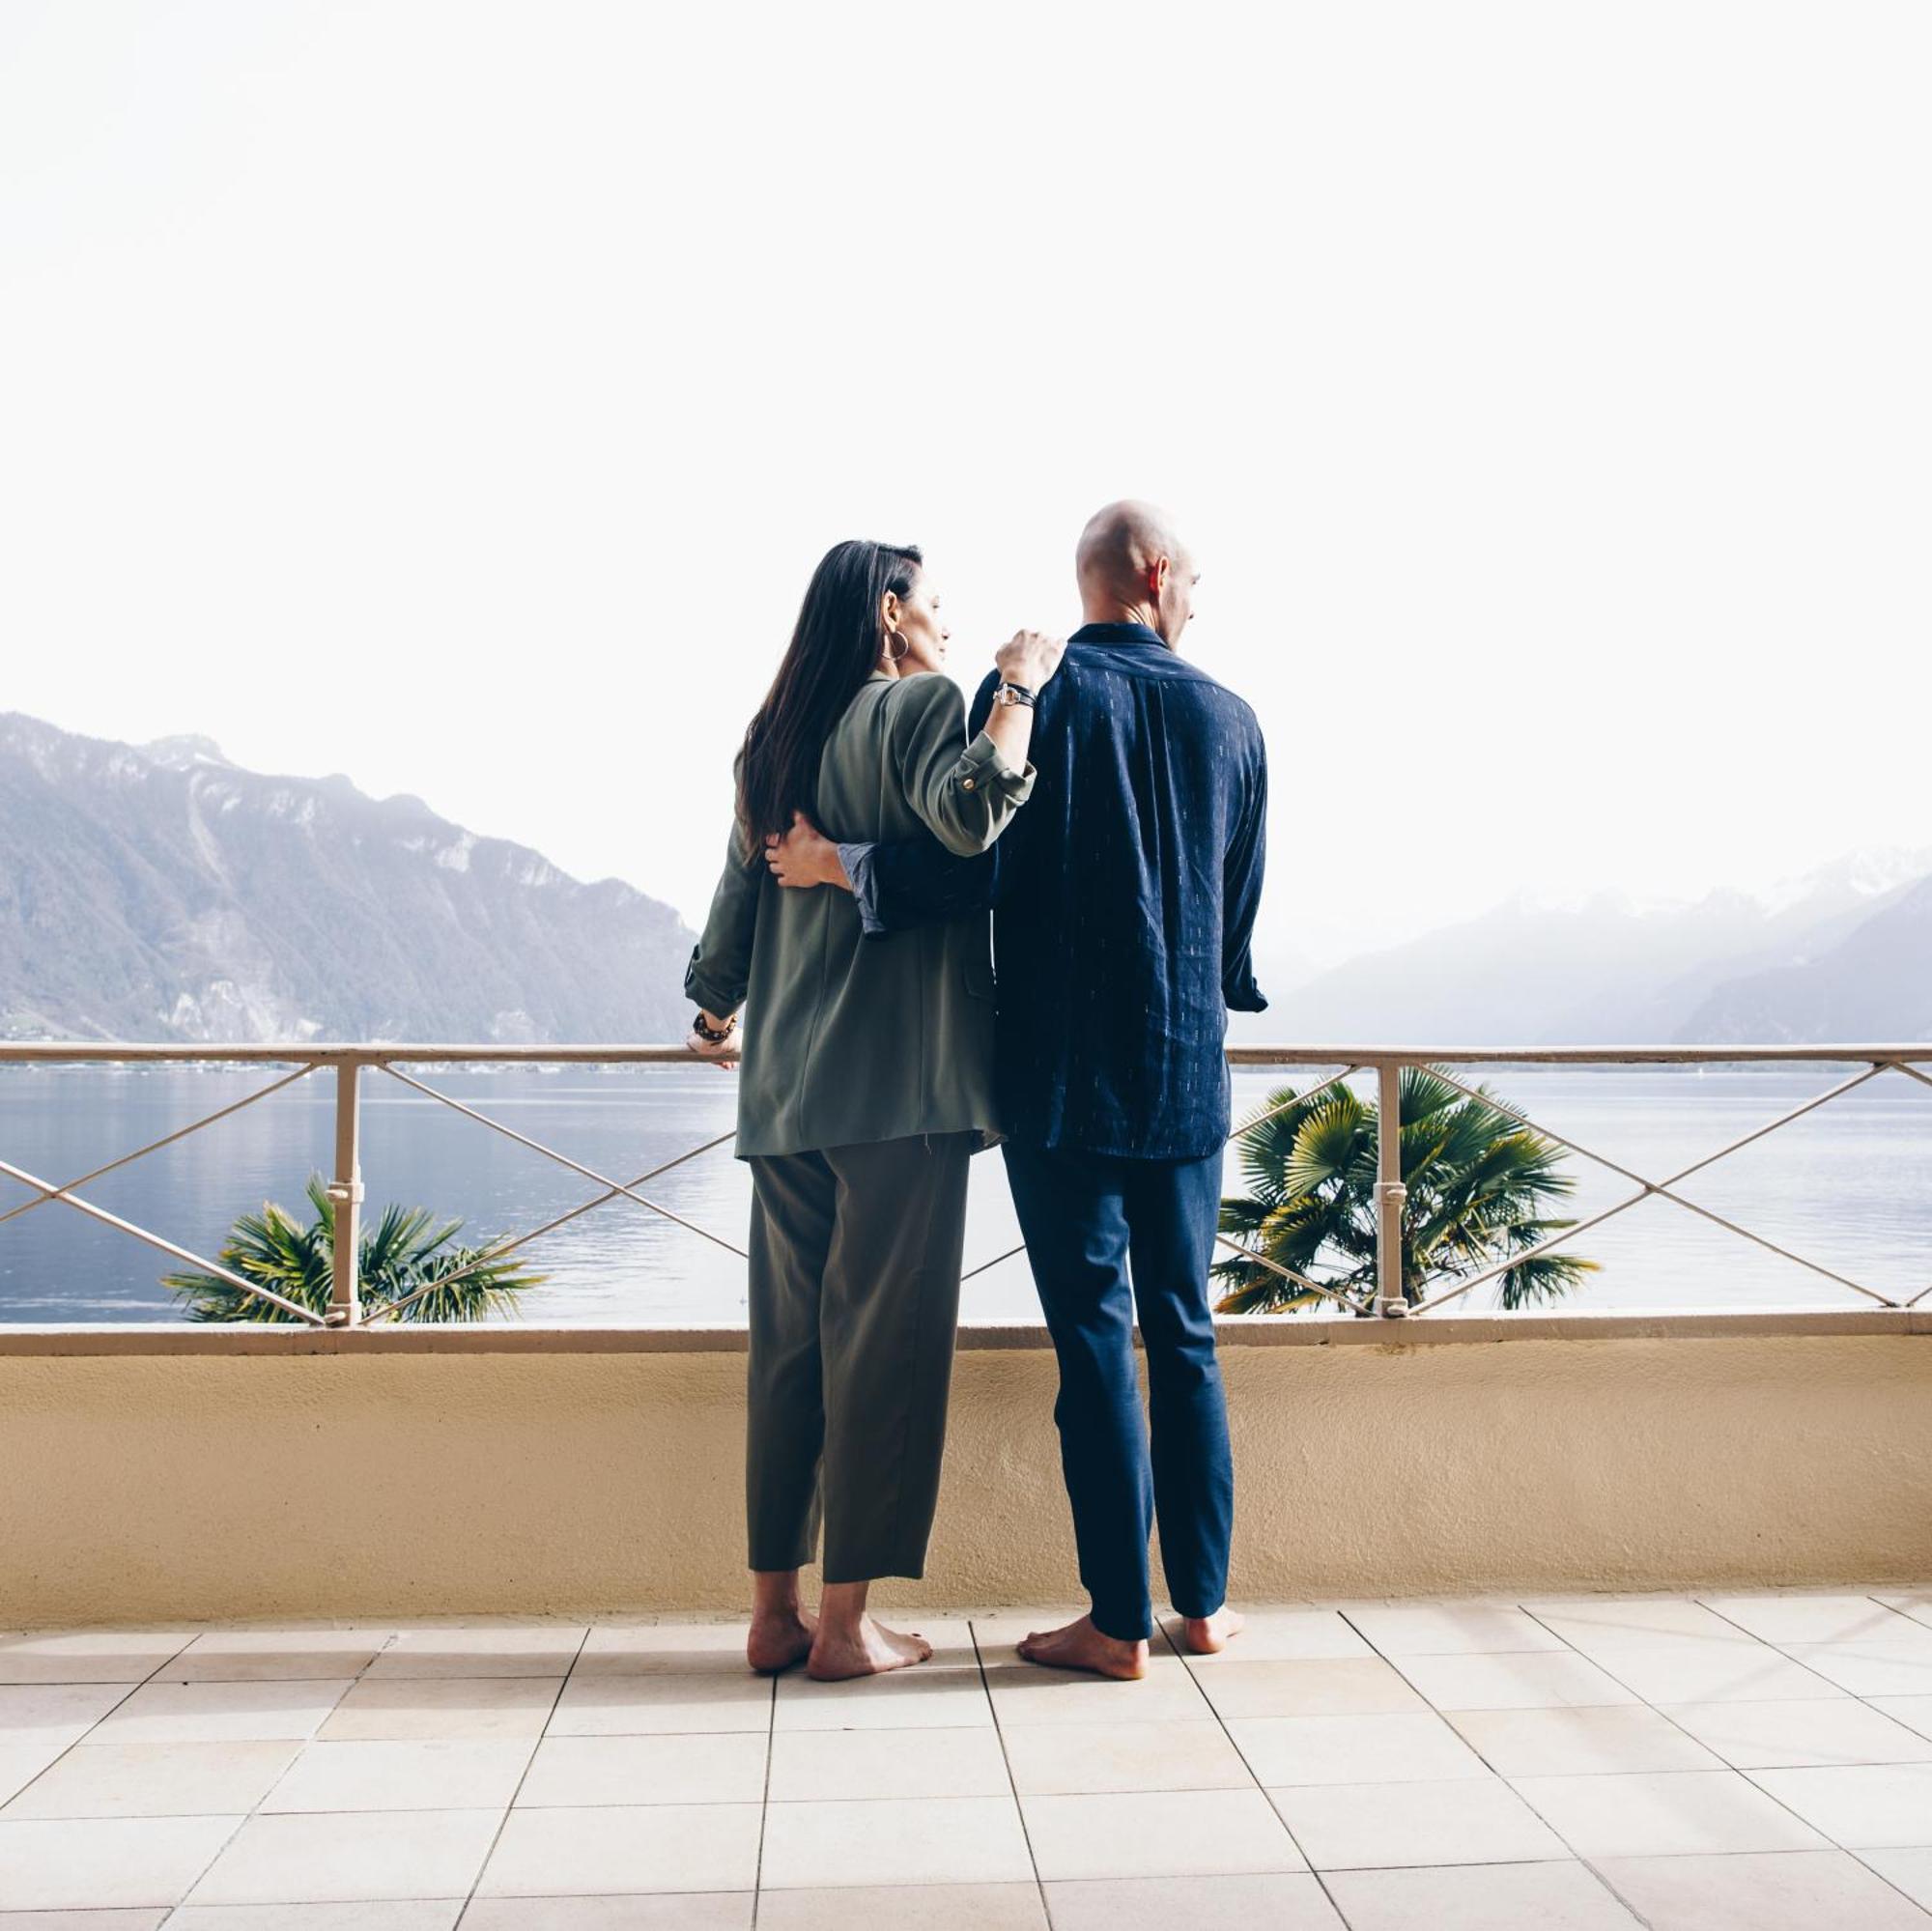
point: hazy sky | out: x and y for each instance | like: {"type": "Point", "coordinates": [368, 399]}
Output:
{"type": "Point", "coordinates": [459, 396]}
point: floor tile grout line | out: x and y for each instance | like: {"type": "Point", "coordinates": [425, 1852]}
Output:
{"type": "Point", "coordinates": [765, 1799]}
{"type": "Point", "coordinates": [1471, 1745]}
{"type": "Point", "coordinates": [1275, 1810]}
{"type": "Point", "coordinates": [126, 1690]}
{"type": "Point", "coordinates": [300, 1743]}
{"type": "Point", "coordinates": [1827, 1850]}
{"type": "Point", "coordinates": [1913, 1616]}
{"type": "Point", "coordinates": [1720, 1768]}
{"type": "Point", "coordinates": [1645, 1703]}
{"type": "Point", "coordinates": [1784, 1649]}
{"type": "Point", "coordinates": [1590, 1866]}
{"type": "Point", "coordinates": [536, 1745]}
{"type": "Point", "coordinates": [1819, 1828]}
{"type": "Point", "coordinates": [1013, 1782]}
{"type": "Point", "coordinates": [1865, 1863]}
{"type": "Point", "coordinates": [142, 1683]}
{"type": "Point", "coordinates": [1508, 1783]}
{"type": "Point", "coordinates": [1725, 1765]}
{"type": "Point", "coordinates": [1624, 1684]}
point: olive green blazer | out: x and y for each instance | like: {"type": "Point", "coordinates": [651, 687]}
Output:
{"type": "Point", "coordinates": [846, 1038]}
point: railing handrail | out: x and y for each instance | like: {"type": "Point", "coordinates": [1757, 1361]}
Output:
{"type": "Point", "coordinates": [416, 1051]}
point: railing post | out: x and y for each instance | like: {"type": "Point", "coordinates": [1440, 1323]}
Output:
{"type": "Point", "coordinates": [1390, 1193]}
{"type": "Point", "coordinates": [344, 1193]}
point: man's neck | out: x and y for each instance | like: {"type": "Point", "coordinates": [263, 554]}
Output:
{"type": "Point", "coordinates": [1105, 611]}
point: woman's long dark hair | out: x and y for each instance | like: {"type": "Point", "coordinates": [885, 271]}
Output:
{"type": "Point", "coordinates": [836, 644]}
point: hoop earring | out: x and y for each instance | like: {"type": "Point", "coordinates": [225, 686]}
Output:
{"type": "Point", "coordinates": [897, 656]}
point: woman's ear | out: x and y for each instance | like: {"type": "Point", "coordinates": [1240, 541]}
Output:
{"type": "Point", "coordinates": [889, 610]}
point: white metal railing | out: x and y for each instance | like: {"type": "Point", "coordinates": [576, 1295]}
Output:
{"type": "Point", "coordinates": [348, 1065]}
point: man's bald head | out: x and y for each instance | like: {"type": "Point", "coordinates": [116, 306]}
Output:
{"type": "Point", "coordinates": [1133, 568]}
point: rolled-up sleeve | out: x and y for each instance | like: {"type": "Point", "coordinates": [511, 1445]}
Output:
{"type": "Point", "coordinates": [964, 791]}
{"type": "Point", "coordinates": [720, 962]}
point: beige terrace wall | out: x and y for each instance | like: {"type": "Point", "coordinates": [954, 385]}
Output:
{"type": "Point", "coordinates": [185, 1474]}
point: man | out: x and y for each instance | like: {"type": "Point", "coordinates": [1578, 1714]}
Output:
{"type": "Point", "coordinates": [1124, 898]}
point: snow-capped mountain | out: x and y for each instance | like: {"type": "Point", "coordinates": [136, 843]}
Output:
{"type": "Point", "coordinates": [1871, 983]}
{"type": "Point", "coordinates": [1603, 968]}
{"type": "Point", "coordinates": [159, 891]}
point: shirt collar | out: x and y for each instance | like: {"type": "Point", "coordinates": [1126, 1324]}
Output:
{"type": "Point", "coordinates": [1118, 634]}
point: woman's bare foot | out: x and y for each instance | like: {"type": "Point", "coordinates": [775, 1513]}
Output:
{"type": "Point", "coordinates": [1207, 1635]}
{"type": "Point", "coordinates": [778, 1640]}
{"type": "Point", "coordinates": [869, 1649]}
{"type": "Point", "coordinates": [1081, 1646]}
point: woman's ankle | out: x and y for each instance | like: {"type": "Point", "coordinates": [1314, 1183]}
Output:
{"type": "Point", "coordinates": [775, 1596]}
{"type": "Point", "coordinates": [843, 1612]}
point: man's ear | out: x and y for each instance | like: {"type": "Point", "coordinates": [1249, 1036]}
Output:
{"type": "Point", "coordinates": [1158, 575]}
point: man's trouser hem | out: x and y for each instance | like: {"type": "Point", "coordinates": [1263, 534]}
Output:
{"type": "Point", "coordinates": [1118, 1630]}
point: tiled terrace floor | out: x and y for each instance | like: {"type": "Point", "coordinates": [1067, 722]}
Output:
{"type": "Point", "coordinates": [1759, 1762]}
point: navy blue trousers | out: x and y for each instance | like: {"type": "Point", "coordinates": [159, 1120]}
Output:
{"type": "Point", "coordinates": [1091, 1222]}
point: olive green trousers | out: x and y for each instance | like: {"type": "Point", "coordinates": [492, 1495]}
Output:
{"type": "Point", "coordinates": [855, 1260]}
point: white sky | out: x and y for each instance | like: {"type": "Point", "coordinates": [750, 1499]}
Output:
{"type": "Point", "coordinates": [459, 396]}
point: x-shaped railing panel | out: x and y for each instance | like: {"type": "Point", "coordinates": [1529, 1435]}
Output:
{"type": "Point", "coordinates": [612, 1190]}
{"type": "Point", "coordinates": [45, 1192]}
{"type": "Point", "coordinates": [1663, 1189]}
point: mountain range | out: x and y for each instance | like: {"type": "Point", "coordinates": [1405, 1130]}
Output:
{"type": "Point", "coordinates": [159, 893]}
{"type": "Point", "coordinates": [1843, 953]}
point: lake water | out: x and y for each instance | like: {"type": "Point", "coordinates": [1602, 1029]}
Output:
{"type": "Point", "coordinates": [1850, 1186]}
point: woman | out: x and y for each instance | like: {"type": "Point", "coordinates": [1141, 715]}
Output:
{"type": "Point", "coordinates": [866, 1084]}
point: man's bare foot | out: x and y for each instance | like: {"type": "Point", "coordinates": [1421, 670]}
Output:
{"type": "Point", "coordinates": [872, 1651]}
{"type": "Point", "coordinates": [1205, 1635]}
{"type": "Point", "coordinates": [779, 1640]}
{"type": "Point", "coordinates": [1081, 1646]}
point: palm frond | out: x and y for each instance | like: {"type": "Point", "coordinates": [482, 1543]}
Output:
{"type": "Point", "coordinates": [1480, 1185]}
{"type": "Point", "coordinates": [405, 1250]}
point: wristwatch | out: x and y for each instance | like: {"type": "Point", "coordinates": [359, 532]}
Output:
{"type": "Point", "coordinates": [1014, 693]}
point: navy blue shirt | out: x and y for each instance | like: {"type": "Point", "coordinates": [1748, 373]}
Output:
{"type": "Point", "coordinates": [1125, 898]}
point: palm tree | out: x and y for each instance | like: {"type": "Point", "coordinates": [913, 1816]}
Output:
{"type": "Point", "coordinates": [402, 1252]}
{"type": "Point", "coordinates": [1479, 1184]}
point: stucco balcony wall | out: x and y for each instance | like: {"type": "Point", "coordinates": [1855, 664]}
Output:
{"type": "Point", "coordinates": [195, 1473]}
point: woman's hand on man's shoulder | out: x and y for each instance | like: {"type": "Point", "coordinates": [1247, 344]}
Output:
{"type": "Point", "coordinates": [1028, 657]}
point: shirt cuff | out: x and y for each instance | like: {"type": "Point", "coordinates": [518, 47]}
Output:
{"type": "Point", "coordinates": [986, 770]}
{"type": "Point", "coordinates": [1240, 994]}
{"type": "Point", "coordinates": [857, 859]}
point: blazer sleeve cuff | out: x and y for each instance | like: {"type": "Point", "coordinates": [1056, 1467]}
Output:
{"type": "Point", "coordinates": [707, 993]}
{"type": "Point", "coordinates": [984, 769]}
